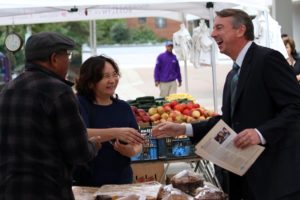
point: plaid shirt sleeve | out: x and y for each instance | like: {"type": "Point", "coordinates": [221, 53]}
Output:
{"type": "Point", "coordinates": [72, 133]}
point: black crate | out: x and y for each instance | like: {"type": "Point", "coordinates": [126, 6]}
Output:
{"type": "Point", "coordinates": [161, 143]}
{"type": "Point", "coordinates": [150, 149]}
{"type": "Point", "coordinates": [179, 147]}
{"type": "Point", "coordinates": [165, 148]}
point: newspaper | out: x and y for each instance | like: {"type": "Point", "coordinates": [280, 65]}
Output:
{"type": "Point", "coordinates": [217, 146]}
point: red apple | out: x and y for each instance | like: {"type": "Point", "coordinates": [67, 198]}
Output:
{"type": "Point", "coordinates": [183, 106]}
{"type": "Point", "coordinates": [186, 111]}
{"type": "Point", "coordinates": [190, 105]}
{"type": "Point", "coordinates": [141, 112]}
{"type": "Point", "coordinates": [156, 117]}
{"type": "Point", "coordinates": [196, 114]}
{"type": "Point", "coordinates": [202, 110]}
{"type": "Point", "coordinates": [173, 104]}
{"type": "Point", "coordinates": [138, 118]}
{"type": "Point", "coordinates": [146, 118]}
{"type": "Point", "coordinates": [178, 107]}
{"type": "Point", "coordinates": [173, 114]}
{"type": "Point", "coordinates": [164, 116]}
{"type": "Point", "coordinates": [167, 108]}
{"type": "Point", "coordinates": [167, 104]}
{"type": "Point", "coordinates": [152, 111]}
{"type": "Point", "coordinates": [196, 105]}
{"type": "Point", "coordinates": [160, 110]}
{"type": "Point", "coordinates": [202, 118]}
{"type": "Point", "coordinates": [179, 119]}
{"type": "Point", "coordinates": [190, 119]}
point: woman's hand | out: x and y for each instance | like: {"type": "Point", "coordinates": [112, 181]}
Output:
{"type": "Point", "coordinates": [96, 140]}
{"type": "Point", "coordinates": [130, 136]}
{"type": "Point", "coordinates": [127, 149]}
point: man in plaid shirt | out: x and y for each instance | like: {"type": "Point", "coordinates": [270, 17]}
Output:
{"type": "Point", "coordinates": [42, 135]}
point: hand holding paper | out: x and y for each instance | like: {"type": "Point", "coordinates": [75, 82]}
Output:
{"type": "Point", "coordinates": [247, 138]}
{"type": "Point", "coordinates": [218, 147]}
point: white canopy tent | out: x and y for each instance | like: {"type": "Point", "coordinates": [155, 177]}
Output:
{"type": "Point", "coordinates": [47, 11]}
{"type": "Point", "coordinates": [16, 12]}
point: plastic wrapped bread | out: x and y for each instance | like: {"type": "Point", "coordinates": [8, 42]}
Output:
{"type": "Point", "coordinates": [187, 181]}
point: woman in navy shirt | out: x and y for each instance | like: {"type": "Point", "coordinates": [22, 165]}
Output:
{"type": "Point", "coordinates": [109, 117]}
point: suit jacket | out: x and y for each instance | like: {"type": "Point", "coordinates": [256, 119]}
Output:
{"type": "Point", "coordinates": [267, 98]}
{"type": "Point", "coordinates": [297, 66]}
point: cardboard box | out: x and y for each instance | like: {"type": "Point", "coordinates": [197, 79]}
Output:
{"type": "Point", "coordinates": [144, 172]}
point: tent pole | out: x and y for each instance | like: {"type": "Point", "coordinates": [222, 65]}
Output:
{"type": "Point", "coordinates": [93, 38]}
{"type": "Point", "coordinates": [210, 6]}
{"type": "Point", "coordinates": [186, 76]}
{"type": "Point", "coordinates": [268, 28]}
{"type": "Point", "coordinates": [185, 59]}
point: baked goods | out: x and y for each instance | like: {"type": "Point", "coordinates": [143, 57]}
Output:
{"type": "Point", "coordinates": [176, 197]}
{"type": "Point", "coordinates": [211, 195]}
{"type": "Point", "coordinates": [170, 193]}
{"type": "Point", "coordinates": [187, 181]}
{"type": "Point", "coordinates": [103, 197]}
{"type": "Point", "coordinates": [85, 193]}
{"type": "Point", "coordinates": [209, 192]}
{"type": "Point", "coordinates": [147, 190]}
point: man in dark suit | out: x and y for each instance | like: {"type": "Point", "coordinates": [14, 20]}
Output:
{"type": "Point", "coordinates": [264, 109]}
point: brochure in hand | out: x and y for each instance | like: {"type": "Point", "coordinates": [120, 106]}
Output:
{"type": "Point", "coordinates": [217, 146]}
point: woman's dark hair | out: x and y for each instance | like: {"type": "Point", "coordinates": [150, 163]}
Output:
{"type": "Point", "coordinates": [239, 18]}
{"type": "Point", "coordinates": [91, 72]}
{"type": "Point", "coordinates": [291, 42]}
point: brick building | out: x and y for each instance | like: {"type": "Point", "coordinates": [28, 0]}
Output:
{"type": "Point", "coordinates": [162, 27]}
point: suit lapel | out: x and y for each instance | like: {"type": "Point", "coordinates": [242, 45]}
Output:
{"type": "Point", "coordinates": [226, 107]}
{"type": "Point", "coordinates": [244, 73]}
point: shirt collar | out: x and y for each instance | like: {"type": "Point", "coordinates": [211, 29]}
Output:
{"type": "Point", "coordinates": [239, 60]}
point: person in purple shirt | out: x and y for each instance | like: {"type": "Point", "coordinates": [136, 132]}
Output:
{"type": "Point", "coordinates": [166, 71]}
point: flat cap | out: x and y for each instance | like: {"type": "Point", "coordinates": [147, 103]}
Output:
{"type": "Point", "coordinates": [42, 45]}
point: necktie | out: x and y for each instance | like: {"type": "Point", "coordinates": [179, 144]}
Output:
{"type": "Point", "coordinates": [233, 84]}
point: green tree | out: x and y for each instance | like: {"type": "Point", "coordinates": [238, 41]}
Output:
{"type": "Point", "coordinates": [119, 32]}
{"type": "Point", "coordinates": [142, 34]}
{"type": "Point", "coordinates": [103, 30]}
{"type": "Point", "coordinates": [78, 31]}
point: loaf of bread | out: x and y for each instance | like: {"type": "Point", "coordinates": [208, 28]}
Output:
{"type": "Point", "coordinates": [210, 192]}
{"type": "Point", "coordinates": [187, 181]}
{"type": "Point", "coordinates": [208, 195]}
{"type": "Point", "coordinates": [170, 193]}
{"type": "Point", "coordinates": [103, 197]}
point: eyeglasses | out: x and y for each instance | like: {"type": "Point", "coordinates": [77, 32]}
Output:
{"type": "Point", "coordinates": [67, 52]}
{"type": "Point", "coordinates": [115, 75]}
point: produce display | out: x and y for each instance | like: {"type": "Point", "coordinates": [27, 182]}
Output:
{"type": "Point", "coordinates": [180, 96]}
{"type": "Point", "coordinates": [179, 108]}
{"type": "Point", "coordinates": [175, 108]}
